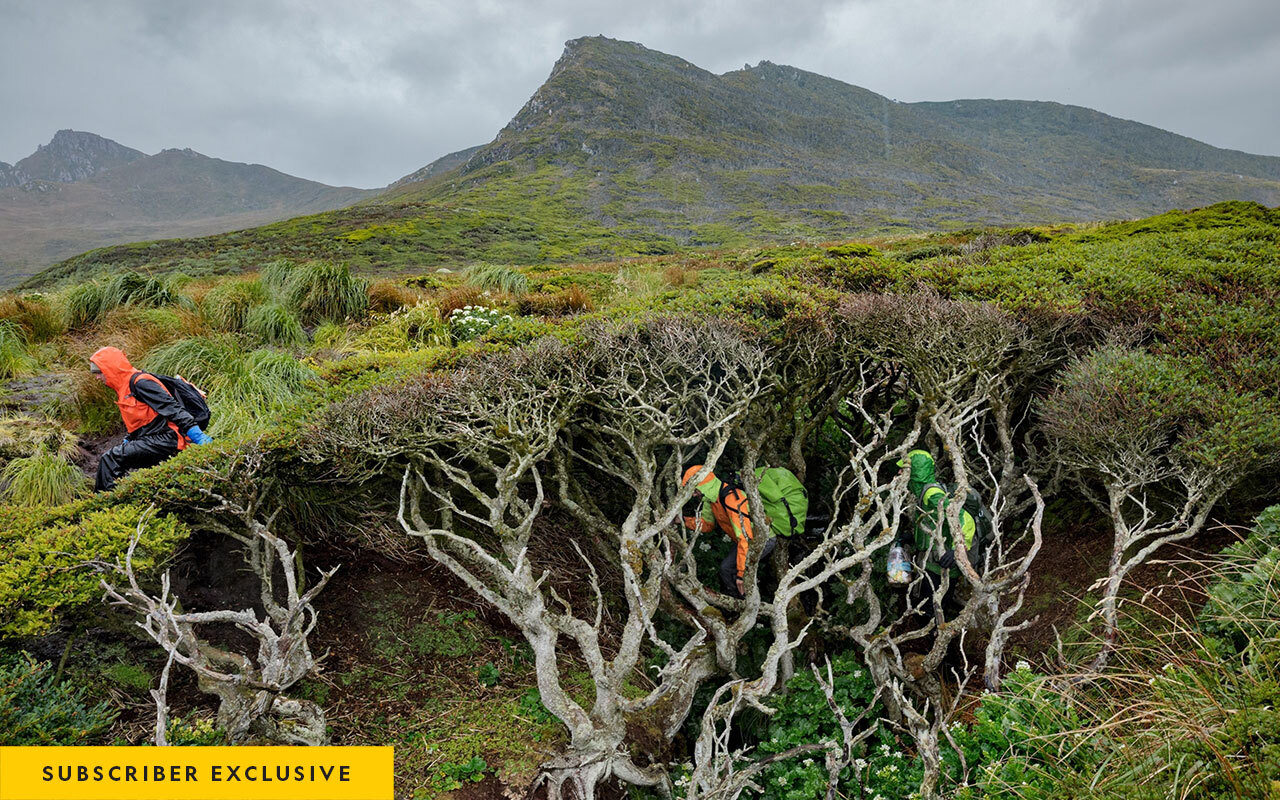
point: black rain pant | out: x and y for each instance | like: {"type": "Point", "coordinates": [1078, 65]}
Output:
{"type": "Point", "coordinates": [729, 567]}
{"type": "Point", "coordinates": [132, 454]}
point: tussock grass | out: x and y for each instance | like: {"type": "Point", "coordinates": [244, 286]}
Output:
{"type": "Point", "coordinates": [317, 290]}
{"type": "Point", "coordinates": [404, 330]}
{"type": "Point", "coordinates": [91, 408]}
{"type": "Point", "coordinates": [386, 296]}
{"type": "Point", "coordinates": [497, 278]}
{"type": "Point", "coordinates": [33, 314]}
{"type": "Point", "coordinates": [89, 302]}
{"type": "Point", "coordinates": [245, 389]}
{"type": "Point", "coordinates": [23, 436]}
{"type": "Point", "coordinates": [331, 337]}
{"type": "Point", "coordinates": [14, 359]}
{"type": "Point", "coordinates": [137, 331]}
{"type": "Point", "coordinates": [272, 323]}
{"type": "Point", "coordinates": [226, 306]}
{"type": "Point", "coordinates": [574, 300]}
{"type": "Point", "coordinates": [450, 300]}
{"type": "Point", "coordinates": [43, 479]}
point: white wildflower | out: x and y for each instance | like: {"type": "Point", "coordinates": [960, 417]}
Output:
{"type": "Point", "coordinates": [1022, 666]}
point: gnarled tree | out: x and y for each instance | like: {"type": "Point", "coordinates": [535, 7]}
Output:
{"type": "Point", "coordinates": [1154, 446]}
{"type": "Point", "coordinates": [250, 687]}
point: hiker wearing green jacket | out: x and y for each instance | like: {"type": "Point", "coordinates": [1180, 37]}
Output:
{"type": "Point", "coordinates": [933, 520]}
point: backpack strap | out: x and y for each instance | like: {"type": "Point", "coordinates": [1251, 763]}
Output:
{"type": "Point", "coordinates": [134, 379]}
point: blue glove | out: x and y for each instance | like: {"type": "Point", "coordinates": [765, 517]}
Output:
{"type": "Point", "coordinates": [198, 436]}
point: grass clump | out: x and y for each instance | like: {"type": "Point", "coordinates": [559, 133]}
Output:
{"type": "Point", "coordinates": [387, 296]}
{"type": "Point", "coordinates": [227, 305]}
{"type": "Point", "coordinates": [42, 479]}
{"type": "Point", "coordinates": [245, 389]}
{"type": "Point", "coordinates": [33, 315]}
{"type": "Point", "coordinates": [89, 302]}
{"type": "Point", "coordinates": [272, 323]}
{"type": "Point", "coordinates": [317, 290]}
{"type": "Point", "coordinates": [14, 360]}
{"type": "Point", "coordinates": [497, 278]}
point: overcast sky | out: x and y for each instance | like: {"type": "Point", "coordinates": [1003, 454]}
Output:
{"type": "Point", "coordinates": [362, 93]}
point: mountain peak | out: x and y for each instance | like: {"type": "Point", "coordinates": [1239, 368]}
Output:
{"type": "Point", "coordinates": [72, 156]}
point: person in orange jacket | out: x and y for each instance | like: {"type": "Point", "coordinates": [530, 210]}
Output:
{"type": "Point", "coordinates": [726, 507]}
{"type": "Point", "coordinates": [157, 424]}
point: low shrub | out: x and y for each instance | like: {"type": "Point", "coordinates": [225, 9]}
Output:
{"type": "Point", "coordinates": [47, 571]}
{"type": "Point", "coordinates": [852, 250]}
{"type": "Point", "coordinates": [35, 710]}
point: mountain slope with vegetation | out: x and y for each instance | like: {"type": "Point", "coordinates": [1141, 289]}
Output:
{"type": "Point", "coordinates": [83, 191]}
{"type": "Point", "coordinates": [628, 152]}
{"type": "Point", "coordinates": [493, 461]}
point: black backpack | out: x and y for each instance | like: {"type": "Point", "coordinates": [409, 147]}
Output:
{"type": "Point", "coordinates": [185, 392]}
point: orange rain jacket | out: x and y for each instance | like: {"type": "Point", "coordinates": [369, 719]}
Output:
{"type": "Point", "coordinates": [149, 408]}
{"type": "Point", "coordinates": [730, 514]}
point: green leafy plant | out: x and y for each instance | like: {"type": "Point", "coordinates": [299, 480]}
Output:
{"type": "Point", "coordinates": [194, 732]}
{"type": "Point", "coordinates": [36, 710]}
{"type": "Point", "coordinates": [488, 675]}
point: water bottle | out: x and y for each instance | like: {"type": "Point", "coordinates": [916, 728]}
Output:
{"type": "Point", "coordinates": [899, 566]}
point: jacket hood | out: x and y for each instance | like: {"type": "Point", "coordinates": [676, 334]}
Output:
{"type": "Point", "coordinates": [923, 471]}
{"type": "Point", "coordinates": [115, 367]}
{"type": "Point", "coordinates": [710, 486]}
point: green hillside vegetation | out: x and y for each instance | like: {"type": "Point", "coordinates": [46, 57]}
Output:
{"type": "Point", "coordinates": [626, 152]}
{"type": "Point", "coordinates": [549, 404]}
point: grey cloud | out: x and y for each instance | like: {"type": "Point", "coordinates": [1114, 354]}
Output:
{"type": "Point", "coordinates": [362, 93]}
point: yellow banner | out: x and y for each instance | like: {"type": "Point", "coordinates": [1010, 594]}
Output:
{"type": "Point", "coordinates": [196, 773]}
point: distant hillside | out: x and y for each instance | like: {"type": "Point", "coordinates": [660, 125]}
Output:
{"type": "Point", "coordinates": [626, 151]}
{"type": "Point", "coordinates": [82, 191]}
{"type": "Point", "coordinates": [651, 144]}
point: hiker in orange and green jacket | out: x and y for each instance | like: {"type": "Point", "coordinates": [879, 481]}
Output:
{"type": "Point", "coordinates": [726, 508]}
{"type": "Point", "coordinates": [933, 527]}
{"type": "Point", "coordinates": [157, 425]}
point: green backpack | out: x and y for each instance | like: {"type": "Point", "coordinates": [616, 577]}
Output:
{"type": "Point", "coordinates": [786, 502]}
